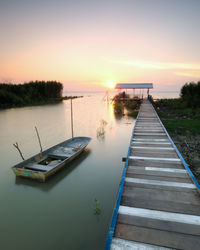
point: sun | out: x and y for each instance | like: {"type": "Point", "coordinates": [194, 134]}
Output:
{"type": "Point", "coordinates": [110, 85]}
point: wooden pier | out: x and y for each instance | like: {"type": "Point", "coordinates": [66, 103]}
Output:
{"type": "Point", "coordinates": [158, 205]}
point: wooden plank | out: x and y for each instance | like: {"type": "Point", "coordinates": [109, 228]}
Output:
{"type": "Point", "coordinates": [138, 126]}
{"type": "Point", "coordinates": [39, 167]}
{"type": "Point", "coordinates": [150, 134]}
{"type": "Point", "coordinates": [140, 162]}
{"type": "Point", "coordinates": [171, 172]}
{"type": "Point", "coordinates": [170, 206]}
{"type": "Point", "coordinates": [150, 131]}
{"type": "Point", "coordinates": [148, 120]}
{"type": "Point", "coordinates": [155, 158]}
{"type": "Point", "coordinates": [152, 148]}
{"type": "Point", "coordinates": [153, 153]}
{"type": "Point", "coordinates": [157, 237]}
{"type": "Point", "coordinates": [118, 244]}
{"type": "Point", "coordinates": [150, 140]}
{"type": "Point", "coordinates": [146, 183]}
{"type": "Point", "coordinates": [160, 220]}
{"type": "Point", "coordinates": [160, 178]}
{"type": "Point", "coordinates": [151, 144]}
{"type": "Point", "coordinates": [153, 137]}
{"type": "Point", "coordinates": [161, 195]}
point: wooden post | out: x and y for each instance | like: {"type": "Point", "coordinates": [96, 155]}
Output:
{"type": "Point", "coordinates": [147, 94]}
{"type": "Point", "coordinates": [17, 147]}
{"type": "Point", "coordinates": [72, 119]}
{"type": "Point", "coordinates": [39, 139]}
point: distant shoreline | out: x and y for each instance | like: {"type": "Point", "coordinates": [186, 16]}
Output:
{"type": "Point", "coordinates": [33, 93]}
{"type": "Point", "coordinates": [42, 103]}
{"type": "Point", "coordinates": [71, 97]}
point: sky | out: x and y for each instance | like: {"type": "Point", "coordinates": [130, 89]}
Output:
{"type": "Point", "coordinates": [87, 43]}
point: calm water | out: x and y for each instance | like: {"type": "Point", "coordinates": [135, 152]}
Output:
{"type": "Point", "coordinates": [59, 214]}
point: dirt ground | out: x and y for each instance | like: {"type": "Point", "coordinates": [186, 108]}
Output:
{"type": "Point", "coordinates": [189, 147]}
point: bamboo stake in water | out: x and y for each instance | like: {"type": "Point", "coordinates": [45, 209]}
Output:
{"type": "Point", "coordinates": [39, 139]}
{"type": "Point", "coordinates": [72, 119]}
{"type": "Point", "coordinates": [17, 147]}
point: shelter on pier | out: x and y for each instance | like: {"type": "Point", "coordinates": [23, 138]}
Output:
{"type": "Point", "coordinates": [135, 86]}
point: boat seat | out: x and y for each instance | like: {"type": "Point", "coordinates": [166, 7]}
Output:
{"type": "Point", "coordinates": [39, 167]}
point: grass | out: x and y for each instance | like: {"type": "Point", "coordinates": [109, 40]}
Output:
{"type": "Point", "coordinates": [182, 126]}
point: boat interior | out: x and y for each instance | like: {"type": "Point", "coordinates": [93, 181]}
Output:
{"type": "Point", "coordinates": [47, 163]}
{"type": "Point", "coordinates": [53, 159]}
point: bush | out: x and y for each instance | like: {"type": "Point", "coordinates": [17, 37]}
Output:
{"type": "Point", "coordinates": [131, 105]}
{"type": "Point", "coordinates": [190, 94]}
{"type": "Point", "coordinates": [118, 108]}
{"type": "Point", "coordinates": [31, 93]}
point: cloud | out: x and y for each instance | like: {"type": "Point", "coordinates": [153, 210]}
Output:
{"type": "Point", "coordinates": [159, 65]}
{"type": "Point", "coordinates": [188, 74]}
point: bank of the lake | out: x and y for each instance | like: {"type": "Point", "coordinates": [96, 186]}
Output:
{"type": "Point", "coordinates": [183, 125]}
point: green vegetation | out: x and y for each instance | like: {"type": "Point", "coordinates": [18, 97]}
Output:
{"type": "Point", "coordinates": [185, 107]}
{"type": "Point", "coordinates": [118, 108]}
{"type": "Point", "coordinates": [97, 209]}
{"type": "Point", "coordinates": [181, 117]}
{"type": "Point", "coordinates": [176, 108]}
{"type": "Point", "coordinates": [182, 126]}
{"type": "Point", "coordinates": [124, 104]}
{"type": "Point", "coordinates": [32, 93]}
{"type": "Point", "coordinates": [190, 94]}
{"type": "Point", "coordinates": [182, 114]}
{"type": "Point", "coordinates": [101, 130]}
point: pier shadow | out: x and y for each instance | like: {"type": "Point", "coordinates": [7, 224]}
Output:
{"type": "Point", "coordinates": [54, 179]}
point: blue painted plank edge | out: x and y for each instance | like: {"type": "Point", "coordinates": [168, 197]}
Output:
{"type": "Point", "coordinates": [117, 204]}
{"type": "Point", "coordinates": [179, 154]}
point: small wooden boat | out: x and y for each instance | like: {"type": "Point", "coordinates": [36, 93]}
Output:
{"type": "Point", "coordinates": [40, 167]}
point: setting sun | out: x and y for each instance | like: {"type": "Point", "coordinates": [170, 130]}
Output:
{"type": "Point", "coordinates": [110, 85]}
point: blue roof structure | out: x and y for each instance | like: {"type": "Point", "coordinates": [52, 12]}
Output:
{"type": "Point", "coordinates": [134, 86]}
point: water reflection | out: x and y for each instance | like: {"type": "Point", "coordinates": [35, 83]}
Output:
{"type": "Point", "coordinates": [111, 111]}
{"type": "Point", "coordinates": [58, 177]}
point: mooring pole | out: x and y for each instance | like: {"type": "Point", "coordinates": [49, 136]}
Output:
{"type": "Point", "coordinates": [38, 136]}
{"type": "Point", "coordinates": [72, 119]}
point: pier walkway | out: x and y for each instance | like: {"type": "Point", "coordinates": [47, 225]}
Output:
{"type": "Point", "coordinates": [158, 204]}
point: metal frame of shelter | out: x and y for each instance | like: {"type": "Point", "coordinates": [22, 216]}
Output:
{"type": "Point", "coordinates": [135, 86]}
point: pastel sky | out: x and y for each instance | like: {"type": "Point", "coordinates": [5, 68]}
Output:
{"type": "Point", "coordinates": [86, 43]}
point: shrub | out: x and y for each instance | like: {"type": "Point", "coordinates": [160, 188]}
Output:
{"type": "Point", "coordinates": [118, 108]}
{"type": "Point", "coordinates": [29, 93]}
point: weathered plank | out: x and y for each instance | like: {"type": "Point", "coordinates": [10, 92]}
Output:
{"type": "Point", "coordinates": [171, 172]}
{"type": "Point", "coordinates": [153, 153]}
{"type": "Point", "coordinates": [148, 158]}
{"type": "Point", "coordinates": [157, 237]}
{"type": "Point", "coordinates": [154, 184]}
{"type": "Point", "coordinates": [161, 195]}
{"type": "Point", "coordinates": [170, 206]}
{"type": "Point", "coordinates": [140, 162]}
{"type": "Point", "coordinates": [118, 243]}
{"type": "Point", "coordinates": [168, 221]}
{"type": "Point", "coordinates": [159, 178]}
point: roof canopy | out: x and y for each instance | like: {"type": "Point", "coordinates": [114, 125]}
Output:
{"type": "Point", "coordinates": [134, 86]}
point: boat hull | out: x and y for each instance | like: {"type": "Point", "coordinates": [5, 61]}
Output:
{"type": "Point", "coordinates": [20, 170]}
